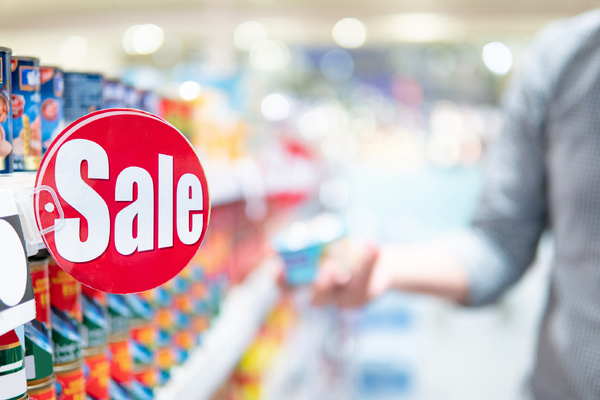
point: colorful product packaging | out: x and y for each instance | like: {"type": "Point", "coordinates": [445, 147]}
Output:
{"type": "Point", "coordinates": [119, 314]}
{"type": "Point", "coordinates": [38, 342]}
{"type": "Point", "coordinates": [26, 119]}
{"type": "Point", "coordinates": [45, 390]}
{"type": "Point", "coordinates": [70, 381]}
{"type": "Point", "coordinates": [150, 102]}
{"type": "Point", "coordinates": [83, 94]}
{"type": "Point", "coordinates": [132, 98]}
{"type": "Point", "coordinates": [97, 373]}
{"type": "Point", "coordinates": [13, 381]}
{"type": "Point", "coordinates": [65, 294]}
{"type": "Point", "coordinates": [94, 330]}
{"type": "Point", "coordinates": [52, 91]}
{"type": "Point", "coordinates": [6, 129]}
{"type": "Point", "coordinates": [121, 366]}
{"type": "Point", "coordinates": [113, 92]}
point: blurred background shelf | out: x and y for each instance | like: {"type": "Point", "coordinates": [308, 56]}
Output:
{"type": "Point", "coordinates": [240, 318]}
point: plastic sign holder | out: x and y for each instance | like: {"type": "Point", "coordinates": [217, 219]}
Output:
{"type": "Point", "coordinates": [122, 201]}
{"type": "Point", "coordinates": [17, 304]}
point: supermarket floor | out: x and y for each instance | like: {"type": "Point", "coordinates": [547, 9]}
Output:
{"type": "Point", "coordinates": [415, 347]}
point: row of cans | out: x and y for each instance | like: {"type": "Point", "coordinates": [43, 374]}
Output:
{"type": "Point", "coordinates": [86, 344]}
{"type": "Point", "coordinates": [37, 102]}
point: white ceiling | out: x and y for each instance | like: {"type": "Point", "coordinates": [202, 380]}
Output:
{"type": "Point", "coordinates": [38, 27]}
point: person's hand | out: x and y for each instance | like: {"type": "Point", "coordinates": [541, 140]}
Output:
{"type": "Point", "coordinates": [347, 282]}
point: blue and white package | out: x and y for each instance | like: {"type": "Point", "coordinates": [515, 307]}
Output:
{"type": "Point", "coordinates": [52, 90]}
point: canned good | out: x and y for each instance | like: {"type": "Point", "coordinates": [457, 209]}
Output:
{"type": "Point", "coordinates": [200, 323]}
{"type": "Point", "coordinates": [132, 98]}
{"type": "Point", "coordinates": [165, 360]}
{"type": "Point", "coordinates": [120, 360]}
{"type": "Point", "coordinates": [13, 381]}
{"type": "Point", "coordinates": [26, 120]}
{"type": "Point", "coordinates": [157, 297]}
{"type": "Point", "coordinates": [139, 391]}
{"type": "Point", "coordinates": [41, 288]}
{"type": "Point", "coordinates": [52, 90]}
{"type": "Point", "coordinates": [150, 102]}
{"type": "Point", "coordinates": [177, 285]}
{"type": "Point", "coordinates": [65, 293]}
{"type": "Point", "coordinates": [145, 333]}
{"type": "Point", "coordinates": [83, 94]}
{"type": "Point", "coordinates": [97, 372]}
{"type": "Point", "coordinates": [45, 390]}
{"type": "Point", "coordinates": [94, 329]}
{"type": "Point", "coordinates": [113, 92]}
{"type": "Point", "coordinates": [148, 376]}
{"type": "Point", "coordinates": [6, 132]}
{"type": "Point", "coordinates": [140, 307]}
{"type": "Point", "coordinates": [144, 382]}
{"type": "Point", "coordinates": [185, 339]}
{"type": "Point", "coordinates": [118, 391]}
{"type": "Point", "coordinates": [141, 355]}
{"type": "Point", "coordinates": [38, 351]}
{"type": "Point", "coordinates": [118, 314]}
{"type": "Point", "coordinates": [70, 381]}
{"type": "Point", "coordinates": [183, 303]}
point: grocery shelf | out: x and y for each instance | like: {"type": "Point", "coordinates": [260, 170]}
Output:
{"type": "Point", "coordinates": [241, 316]}
{"type": "Point", "coordinates": [24, 180]}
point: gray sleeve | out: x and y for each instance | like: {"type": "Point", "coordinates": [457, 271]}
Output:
{"type": "Point", "coordinates": [503, 238]}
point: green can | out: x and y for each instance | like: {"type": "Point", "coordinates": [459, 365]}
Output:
{"type": "Point", "coordinates": [119, 314]}
{"type": "Point", "coordinates": [13, 380]}
{"type": "Point", "coordinates": [94, 330]}
{"type": "Point", "coordinates": [38, 343]}
{"type": "Point", "coordinates": [65, 293]}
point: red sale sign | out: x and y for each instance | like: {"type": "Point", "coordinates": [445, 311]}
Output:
{"type": "Point", "coordinates": [133, 198]}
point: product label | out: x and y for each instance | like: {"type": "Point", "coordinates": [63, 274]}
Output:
{"type": "Point", "coordinates": [52, 104]}
{"type": "Point", "coordinates": [83, 95]}
{"type": "Point", "coordinates": [148, 377]}
{"type": "Point", "coordinates": [64, 292]}
{"type": "Point", "coordinates": [12, 368]}
{"type": "Point", "coordinates": [65, 314]}
{"type": "Point", "coordinates": [118, 314]}
{"type": "Point", "coordinates": [118, 391]}
{"type": "Point", "coordinates": [120, 361]}
{"type": "Point", "coordinates": [6, 135]}
{"type": "Point", "coordinates": [38, 351]}
{"type": "Point", "coordinates": [47, 393]}
{"type": "Point", "coordinates": [94, 329]}
{"type": "Point", "coordinates": [97, 373]}
{"type": "Point", "coordinates": [70, 385]}
{"type": "Point", "coordinates": [184, 339]}
{"type": "Point", "coordinates": [27, 133]}
{"type": "Point", "coordinates": [165, 357]}
{"type": "Point", "coordinates": [146, 335]}
{"type": "Point", "coordinates": [41, 291]}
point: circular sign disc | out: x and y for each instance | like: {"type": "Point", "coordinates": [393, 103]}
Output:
{"type": "Point", "coordinates": [134, 197]}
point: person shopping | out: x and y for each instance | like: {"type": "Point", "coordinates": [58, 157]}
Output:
{"type": "Point", "coordinates": [542, 172]}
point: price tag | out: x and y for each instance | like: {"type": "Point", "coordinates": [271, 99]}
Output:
{"type": "Point", "coordinates": [17, 304]}
{"type": "Point", "coordinates": [134, 197]}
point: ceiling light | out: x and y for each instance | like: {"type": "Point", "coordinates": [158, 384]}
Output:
{"type": "Point", "coordinates": [189, 90]}
{"type": "Point", "coordinates": [247, 34]}
{"type": "Point", "coordinates": [349, 33]}
{"type": "Point", "coordinates": [498, 58]}
{"type": "Point", "coordinates": [275, 107]}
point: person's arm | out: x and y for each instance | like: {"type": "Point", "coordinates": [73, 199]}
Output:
{"type": "Point", "coordinates": [424, 268]}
